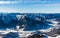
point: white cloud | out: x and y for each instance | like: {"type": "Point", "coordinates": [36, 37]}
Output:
{"type": "Point", "coordinates": [8, 2]}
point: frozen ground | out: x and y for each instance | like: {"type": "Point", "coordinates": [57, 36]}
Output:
{"type": "Point", "coordinates": [27, 33]}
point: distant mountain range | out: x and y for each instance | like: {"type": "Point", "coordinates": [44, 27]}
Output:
{"type": "Point", "coordinates": [28, 21]}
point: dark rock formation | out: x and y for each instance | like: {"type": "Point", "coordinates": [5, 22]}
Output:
{"type": "Point", "coordinates": [37, 36]}
{"type": "Point", "coordinates": [54, 32]}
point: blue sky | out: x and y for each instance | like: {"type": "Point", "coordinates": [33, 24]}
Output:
{"type": "Point", "coordinates": [31, 6]}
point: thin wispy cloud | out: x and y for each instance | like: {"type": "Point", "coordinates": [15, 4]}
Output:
{"type": "Point", "coordinates": [46, 5]}
{"type": "Point", "coordinates": [9, 5]}
{"type": "Point", "coordinates": [30, 5]}
{"type": "Point", "coordinates": [41, 2]}
{"type": "Point", "coordinates": [40, 6]}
